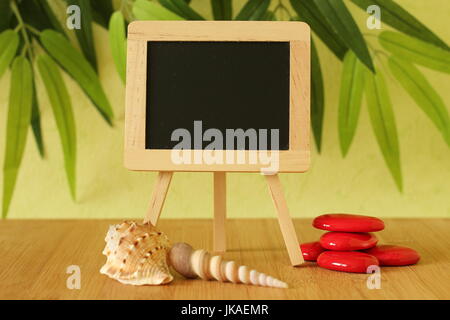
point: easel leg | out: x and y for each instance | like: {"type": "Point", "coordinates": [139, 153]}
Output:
{"type": "Point", "coordinates": [220, 211]}
{"type": "Point", "coordinates": [285, 221]}
{"type": "Point", "coordinates": [158, 196]}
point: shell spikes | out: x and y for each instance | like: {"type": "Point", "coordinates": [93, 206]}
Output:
{"type": "Point", "coordinates": [199, 263]}
{"type": "Point", "coordinates": [136, 254]}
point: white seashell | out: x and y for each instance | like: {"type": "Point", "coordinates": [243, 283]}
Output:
{"type": "Point", "coordinates": [201, 264]}
{"type": "Point", "coordinates": [136, 254]}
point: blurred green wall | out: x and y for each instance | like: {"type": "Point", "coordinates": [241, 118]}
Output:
{"type": "Point", "coordinates": [359, 183]}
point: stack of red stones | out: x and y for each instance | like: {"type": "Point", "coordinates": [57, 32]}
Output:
{"type": "Point", "coordinates": [349, 246]}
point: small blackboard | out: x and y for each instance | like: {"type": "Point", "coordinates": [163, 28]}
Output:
{"type": "Point", "coordinates": [252, 76]}
{"type": "Point", "coordinates": [223, 84]}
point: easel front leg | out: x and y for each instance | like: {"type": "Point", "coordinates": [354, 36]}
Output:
{"type": "Point", "coordinates": [284, 219]}
{"type": "Point", "coordinates": [158, 196]}
{"type": "Point", "coordinates": [220, 211]}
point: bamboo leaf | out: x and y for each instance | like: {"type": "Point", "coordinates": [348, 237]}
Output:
{"type": "Point", "coordinates": [222, 9]}
{"type": "Point", "coordinates": [415, 83]}
{"type": "Point", "coordinates": [84, 34]}
{"type": "Point", "coordinates": [317, 97]}
{"type": "Point", "coordinates": [417, 51]}
{"type": "Point", "coordinates": [309, 13]}
{"type": "Point", "coordinates": [181, 8]}
{"type": "Point", "coordinates": [9, 42]}
{"type": "Point", "coordinates": [118, 43]}
{"type": "Point", "coordinates": [62, 110]}
{"type": "Point", "coordinates": [253, 10]}
{"type": "Point", "coordinates": [383, 123]}
{"type": "Point", "coordinates": [19, 114]}
{"type": "Point", "coordinates": [36, 122]}
{"type": "Point", "coordinates": [338, 16]}
{"type": "Point", "coordinates": [352, 88]}
{"type": "Point", "coordinates": [400, 19]}
{"type": "Point", "coordinates": [144, 10]}
{"type": "Point", "coordinates": [78, 68]}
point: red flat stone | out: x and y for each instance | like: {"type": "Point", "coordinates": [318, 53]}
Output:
{"type": "Point", "coordinates": [389, 255]}
{"type": "Point", "coordinates": [311, 250]}
{"type": "Point", "coordinates": [348, 223]}
{"type": "Point", "coordinates": [347, 261]}
{"type": "Point", "coordinates": [347, 241]}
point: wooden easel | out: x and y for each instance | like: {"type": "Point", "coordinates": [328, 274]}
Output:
{"type": "Point", "coordinates": [287, 227]}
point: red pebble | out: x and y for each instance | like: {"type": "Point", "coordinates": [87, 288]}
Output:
{"type": "Point", "coordinates": [348, 261]}
{"type": "Point", "coordinates": [348, 223]}
{"type": "Point", "coordinates": [311, 250]}
{"type": "Point", "coordinates": [347, 241]}
{"type": "Point", "coordinates": [389, 255]}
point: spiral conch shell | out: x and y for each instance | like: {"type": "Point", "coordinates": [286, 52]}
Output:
{"type": "Point", "coordinates": [199, 263]}
{"type": "Point", "coordinates": [136, 254]}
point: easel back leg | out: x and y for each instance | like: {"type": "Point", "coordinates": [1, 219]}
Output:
{"type": "Point", "coordinates": [220, 211]}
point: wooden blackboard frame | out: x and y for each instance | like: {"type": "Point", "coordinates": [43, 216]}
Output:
{"type": "Point", "coordinates": [137, 157]}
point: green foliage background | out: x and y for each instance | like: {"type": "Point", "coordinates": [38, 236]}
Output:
{"type": "Point", "coordinates": [34, 42]}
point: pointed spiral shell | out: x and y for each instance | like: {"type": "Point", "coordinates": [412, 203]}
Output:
{"type": "Point", "coordinates": [199, 263]}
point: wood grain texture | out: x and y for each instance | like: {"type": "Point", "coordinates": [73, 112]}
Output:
{"type": "Point", "coordinates": [219, 31]}
{"type": "Point", "coordinates": [296, 159]}
{"type": "Point", "coordinates": [36, 253]}
{"type": "Point", "coordinates": [285, 220]}
{"type": "Point", "coordinates": [158, 198]}
{"type": "Point", "coordinates": [220, 211]}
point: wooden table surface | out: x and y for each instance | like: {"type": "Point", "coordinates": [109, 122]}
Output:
{"type": "Point", "coordinates": [36, 253]}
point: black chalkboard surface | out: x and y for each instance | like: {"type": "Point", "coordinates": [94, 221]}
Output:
{"type": "Point", "coordinates": [226, 85]}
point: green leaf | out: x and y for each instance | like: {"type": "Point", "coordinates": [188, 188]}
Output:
{"type": "Point", "coordinates": [36, 122]}
{"type": "Point", "coordinates": [144, 10]}
{"type": "Point", "coordinates": [253, 10]}
{"type": "Point", "coordinates": [118, 43]}
{"type": "Point", "coordinates": [9, 42]}
{"type": "Point", "coordinates": [400, 19]}
{"type": "Point", "coordinates": [78, 68]}
{"type": "Point", "coordinates": [84, 34]}
{"type": "Point", "coordinates": [102, 11]}
{"type": "Point", "coordinates": [338, 16]}
{"type": "Point", "coordinates": [62, 110]}
{"type": "Point", "coordinates": [352, 89]}
{"type": "Point", "coordinates": [222, 9]}
{"type": "Point", "coordinates": [317, 97]}
{"type": "Point", "coordinates": [383, 123]}
{"type": "Point", "coordinates": [181, 8]}
{"type": "Point", "coordinates": [415, 83]}
{"type": "Point", "coordinates": [309, 13]}
{"type": "Point", "coordinates": [19, 115]}
{"type": "Point", "coordinates": [417, 51]}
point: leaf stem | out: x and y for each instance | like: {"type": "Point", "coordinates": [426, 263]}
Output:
{"type": "Point", "coordinates": [282, 8]}
{"type": "Point", "coordinates": [21, 26]}
{"type": "Point", "coordinates": [33, 30]}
